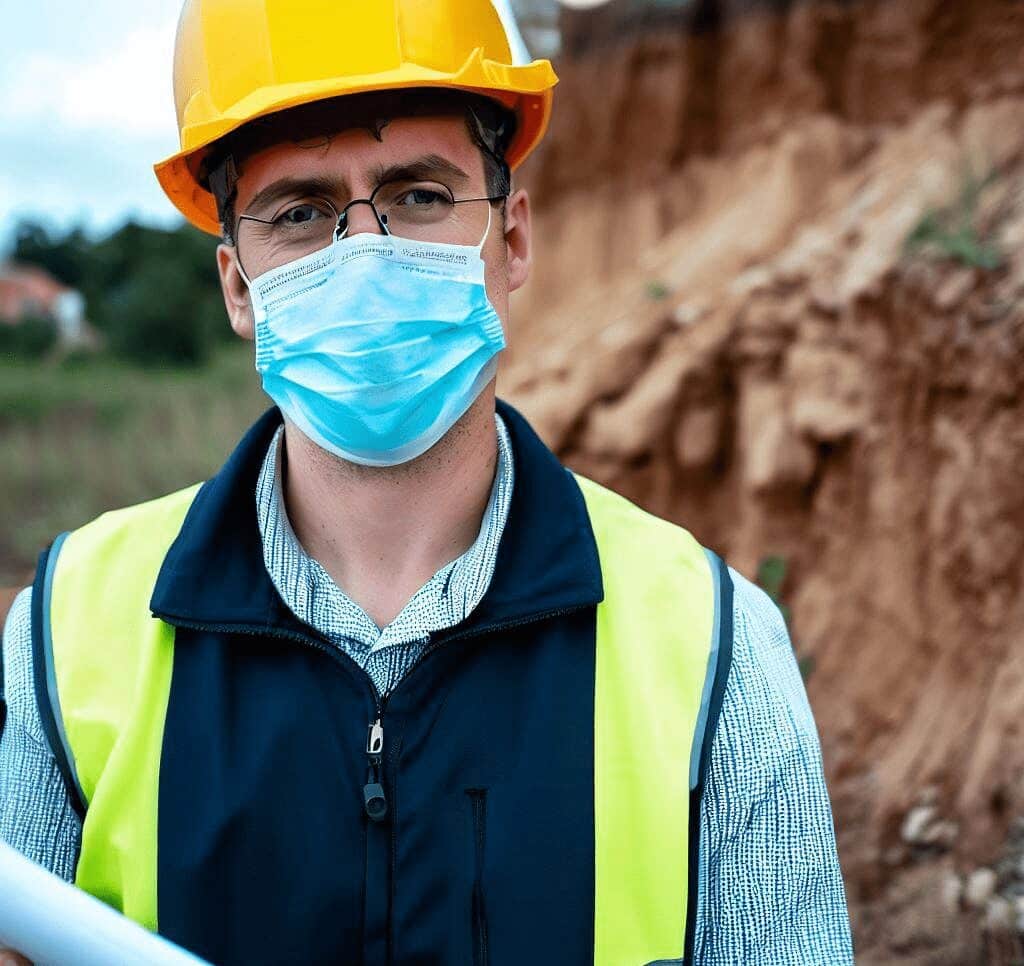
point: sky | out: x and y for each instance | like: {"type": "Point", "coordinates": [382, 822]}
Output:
{"type": "Point", "coordinates": [86, 108]}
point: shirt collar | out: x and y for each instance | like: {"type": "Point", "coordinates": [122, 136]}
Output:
{"type": "Point", "coordinates": [313, 596]}
{"type": "Point", "coordinates": [214, 572]}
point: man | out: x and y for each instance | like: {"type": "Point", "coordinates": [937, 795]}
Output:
{"type": "Point", "coordinates": [394, 686]}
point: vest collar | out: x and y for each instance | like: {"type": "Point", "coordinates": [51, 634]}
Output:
{"type": "Point", "coordinates": [214, 573]}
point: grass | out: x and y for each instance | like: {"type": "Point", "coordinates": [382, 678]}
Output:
{"type": "Point", "coordinates": [82, 438]}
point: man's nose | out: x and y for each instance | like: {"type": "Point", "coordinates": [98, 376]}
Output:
{"type": "Point", "coordinates": [359, 215]}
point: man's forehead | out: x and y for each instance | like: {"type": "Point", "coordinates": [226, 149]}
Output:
{"type": "Point", "coordinates": [354, 156]}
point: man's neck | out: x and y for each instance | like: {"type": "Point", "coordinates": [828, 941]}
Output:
{"type": "Point", "coordinates": [383, 532]}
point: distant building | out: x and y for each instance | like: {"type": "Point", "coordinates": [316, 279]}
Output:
{"type": "Point", "coordinates": [27, 291]}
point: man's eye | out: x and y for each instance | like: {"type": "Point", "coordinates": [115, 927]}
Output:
{"type": "Point", "coordinates": [300, 215]}
{"type": "Point", "coordinates": [422, 197]}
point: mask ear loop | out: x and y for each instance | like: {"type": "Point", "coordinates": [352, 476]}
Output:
{"type": "Point", "coordinates": [241, 270]}
{"type": "Point", "coordinates": [487, 230]}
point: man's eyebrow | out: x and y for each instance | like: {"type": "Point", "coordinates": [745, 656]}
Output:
{"type": "Point", "coordinates": [427, 167]}
{"type": "Point", "coordinates": [294, 188]}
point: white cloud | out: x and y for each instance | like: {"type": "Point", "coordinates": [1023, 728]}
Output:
{"type": "Point", "coordinates": [125, 88]}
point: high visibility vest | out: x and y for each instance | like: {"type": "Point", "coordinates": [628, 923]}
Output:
{"type": "Point", "coordinates": [659, 653]}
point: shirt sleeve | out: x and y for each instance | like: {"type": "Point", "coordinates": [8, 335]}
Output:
{"type": "Point", "coordinates": [771, 890]}
{"type": "Point", "coordinates": [36, 814]}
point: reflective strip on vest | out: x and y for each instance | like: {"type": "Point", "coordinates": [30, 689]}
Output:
{"type": "Point", "coordinates": [656, 654]}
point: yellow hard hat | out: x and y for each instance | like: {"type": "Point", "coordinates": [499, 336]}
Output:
{"type": "Point", "coordinates": [235, 60]}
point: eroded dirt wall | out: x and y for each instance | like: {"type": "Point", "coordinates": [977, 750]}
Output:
{"type": "Point", "coordinates": [632, 112]}
{"type": "Point", "coordinates": [745, 342]}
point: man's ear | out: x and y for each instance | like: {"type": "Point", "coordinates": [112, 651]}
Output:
{"type": "Point", "coordinates": [517, 238]}
{"type": "Point", "coordinates": [235, 291]}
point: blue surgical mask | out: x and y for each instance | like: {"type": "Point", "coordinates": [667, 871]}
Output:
{"type": "Point", "coordinates": [376, 345]}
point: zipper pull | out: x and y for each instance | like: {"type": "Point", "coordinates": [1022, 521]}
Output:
{"type": "Point", "coordinates": [375, 739]}
{"type": "Point", "coordinates": [374, 800]}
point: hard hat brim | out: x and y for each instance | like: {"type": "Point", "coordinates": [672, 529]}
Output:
{"type": "Point", "coordinates": [527, 90]}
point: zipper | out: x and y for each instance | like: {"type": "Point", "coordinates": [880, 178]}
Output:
{"type": "Point", "coordinates": [374, 799]}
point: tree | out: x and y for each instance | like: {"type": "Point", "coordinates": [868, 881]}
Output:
{"type": "Point", "coordinates": [153, 291]}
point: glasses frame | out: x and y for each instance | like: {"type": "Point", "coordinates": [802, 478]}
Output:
{"type": "Point", "coordinates": [341, 221]}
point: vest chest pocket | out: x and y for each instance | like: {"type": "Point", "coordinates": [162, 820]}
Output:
{"type": "Point", "coordinates": [528, 898]}
{"type": "Point", "coordinates": [478, 909]}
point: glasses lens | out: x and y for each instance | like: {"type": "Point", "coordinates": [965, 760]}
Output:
{"type": "Point", "coordinates": [297, 230]}
{"type": "Point", "coordinates": [426, 211]}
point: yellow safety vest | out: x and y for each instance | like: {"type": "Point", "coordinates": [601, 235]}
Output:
{"type": "Point", "coordinates": [660, 667]}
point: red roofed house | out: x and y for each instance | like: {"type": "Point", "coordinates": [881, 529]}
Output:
{"type": "Point", "coordinates": [27, 290]}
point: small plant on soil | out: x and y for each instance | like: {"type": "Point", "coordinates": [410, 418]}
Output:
{"type": "Point", "coordinates": [956, 231]}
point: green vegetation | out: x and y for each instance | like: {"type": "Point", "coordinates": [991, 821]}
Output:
{"type": "Point", "coordinates": [153, 293]}
{"type": "Point", "coordinates": [160, 408]}
{"type": "Point", "coordinates": [92, 434]}
{"type": "Point", "coordinates": [771, 575]}
{"type": "Point", "coordinates": [955, 231]}
{"type": "Point", "coordinates": [29, 338]}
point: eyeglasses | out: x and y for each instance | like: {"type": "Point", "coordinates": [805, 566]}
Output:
{"type": "Point", "coordinates": [417, 210]}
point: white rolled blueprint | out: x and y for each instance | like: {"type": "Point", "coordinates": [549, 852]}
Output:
{"type": "Point", "coordinates": [54, 924]}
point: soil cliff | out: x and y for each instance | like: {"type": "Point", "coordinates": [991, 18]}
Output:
{"type": "Point", "coordinates": [777, 297]}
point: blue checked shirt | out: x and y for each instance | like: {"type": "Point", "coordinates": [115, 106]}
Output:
{"type": "Point", "coordinates": [770, 890]}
